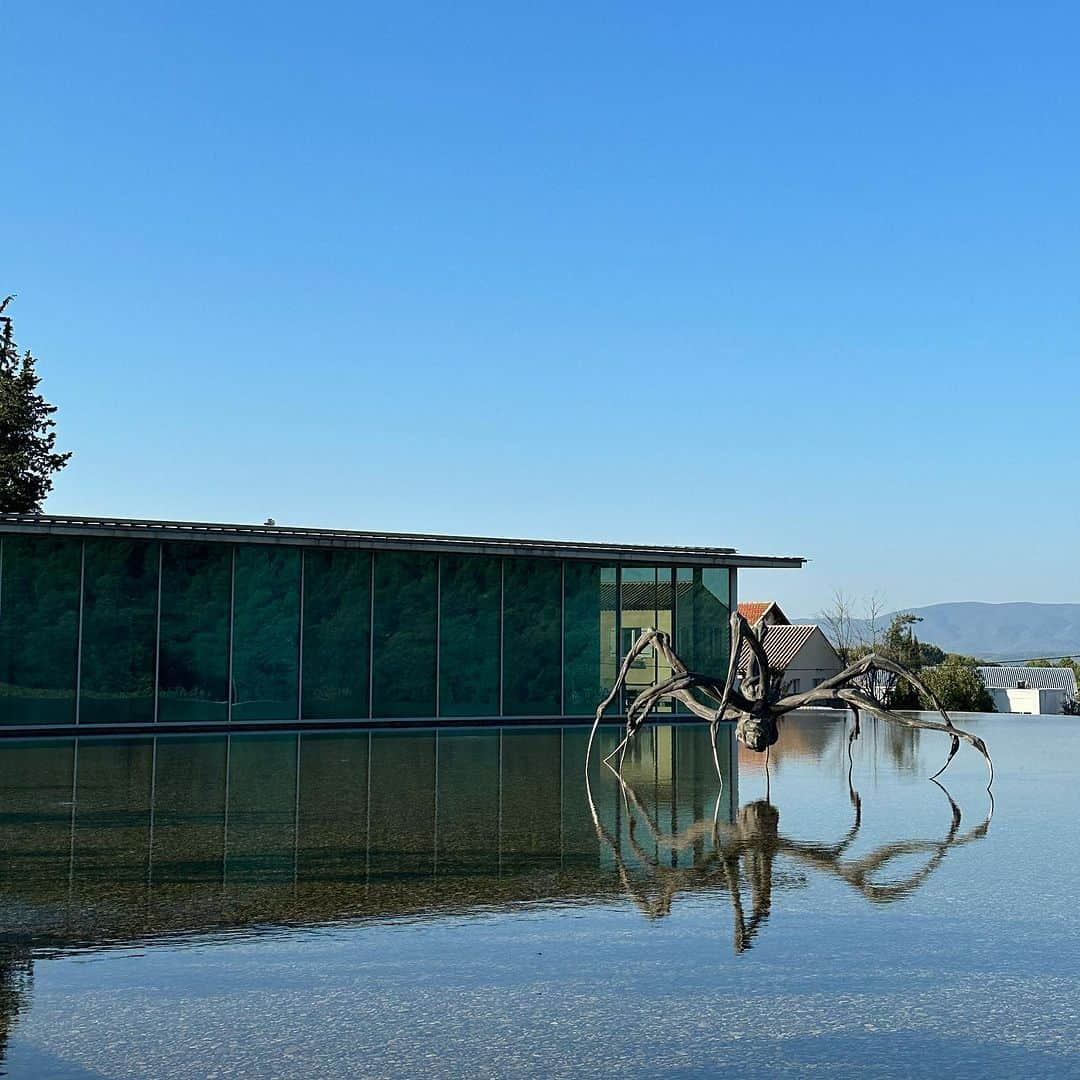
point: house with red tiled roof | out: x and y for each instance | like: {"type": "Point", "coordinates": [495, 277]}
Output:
{"type": "Point", "coordinates": [767, 612]}
{"type": "Point", "coordinates": [801, 651]}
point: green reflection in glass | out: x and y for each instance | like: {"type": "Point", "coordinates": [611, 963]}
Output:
{"type": "Point", "coordinates": [469, 636]}
{"type": "Point", "coordinates": [194, 658]}
{"type": "Point", "coordinates": [403, 669]}
{"type": "Point", "coordinates": [39, 629]}
{"type": "Point", "coordinates": [590, 651]}
{"type": "Point", "coordinates": [532, 637]}
{"type": "Point", "coordinates": [337, 634]}
{"type": "Point", "coordinates": [120, 598]}
{"type": "Point", "coordinates": [702, 632]}
{"type": "Point", "coordinates": [266, 633]}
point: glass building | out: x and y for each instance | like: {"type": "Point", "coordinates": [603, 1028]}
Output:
{"type": "Point", "coordinates": [107, 624]}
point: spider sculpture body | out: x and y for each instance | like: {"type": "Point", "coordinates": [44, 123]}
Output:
{"type": "Point", "coordinates": [756, 701]}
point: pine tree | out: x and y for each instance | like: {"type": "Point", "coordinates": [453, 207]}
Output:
{"type": "Point", "coordinates": [27, 440]}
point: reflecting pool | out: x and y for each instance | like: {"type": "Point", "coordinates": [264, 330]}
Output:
{"type": "Point", "coordinates": [466, 902]}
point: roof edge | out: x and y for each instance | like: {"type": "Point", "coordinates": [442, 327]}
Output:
{"type": "Point", "coordinates": [309, 537]}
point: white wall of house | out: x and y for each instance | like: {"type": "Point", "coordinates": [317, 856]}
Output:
{"type": "Point", "coordinates": [815, 661]}
{"type": "Point", "coordinates": [1031, 701]}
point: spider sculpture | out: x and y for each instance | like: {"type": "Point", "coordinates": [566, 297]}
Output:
{"type": "Point", "coordinates": [756, 702]}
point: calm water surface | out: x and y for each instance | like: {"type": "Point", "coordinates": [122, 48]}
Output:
{"type": "Point", "coordinates": [355, 904]}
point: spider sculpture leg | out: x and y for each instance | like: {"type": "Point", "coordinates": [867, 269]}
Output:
{"type": "Point", "coordinates": [839, 691]}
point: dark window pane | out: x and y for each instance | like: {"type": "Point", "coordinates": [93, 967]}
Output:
{"type": "Point", "coordinates": [39, 629]}
{"type": "Point", "coordinates": [337, 634]}
{"type": "Point", "coordinates": [591, 660]}
{"type": "Point", "coordinates": [266, 633]}
{"type": "Point", "coordinates": [120, 596]}
{"type": "Point", "coordinates": [403, 674]}
{"type": "Point", "coordinates": [194, 664]}
{"type": "Point", "coordinates": [469, 636]}
{"type": "Point", "coordinates": [702, 632]}
{"type": "Point", "coordinates": [532, 637]}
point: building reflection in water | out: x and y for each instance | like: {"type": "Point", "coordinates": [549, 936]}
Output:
{"type": "Point", "coordinates": [112, 841]}
{"type": "Point", "coordinates": [107, 840]}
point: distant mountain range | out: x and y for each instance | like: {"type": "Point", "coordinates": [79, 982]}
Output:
{"type": "Point", "coordinates": [998, 631]}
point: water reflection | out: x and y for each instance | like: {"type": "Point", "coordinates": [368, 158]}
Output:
{"type": "Point", "coordinates": [739, 855]}
{"type": "Point", "coordinates": [113, 840]}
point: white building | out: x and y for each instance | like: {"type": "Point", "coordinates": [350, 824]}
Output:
{"type": "Point", "coordinates": [801, 651]}
{"type": "Point", "coordinates": [1034, 690]}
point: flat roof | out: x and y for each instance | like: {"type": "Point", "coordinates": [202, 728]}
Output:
{"type": "Point", "coordinates": [63, 525]}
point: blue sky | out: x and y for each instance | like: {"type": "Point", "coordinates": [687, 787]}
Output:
{"type": "Point", "coordinates": [791, 278]}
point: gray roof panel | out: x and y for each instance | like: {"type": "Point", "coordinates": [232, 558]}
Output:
{"type": "Point", "coordinates": [481, 545]}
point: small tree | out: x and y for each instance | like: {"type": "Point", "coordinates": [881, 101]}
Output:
{"type": "Point", "coordinates": [958, 685]}
{"type": "Point", "coordinates": [27, 456]}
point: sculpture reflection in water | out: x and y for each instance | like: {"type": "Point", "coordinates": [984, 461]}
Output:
{"type": "Point", "coordinates": [742, 855]}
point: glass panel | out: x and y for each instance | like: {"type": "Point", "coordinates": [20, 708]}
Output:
{"type": "Point", "coordinates": [702, 632]}
{"type": "Point", "coordinates": [665, 620]}
{"type": "Point", "coordinates": [337, 634]}
{"type": "Point", "coordinates": [469, 636]}
{"type": "Point", "coordinates": [404, 646]}
{"type": "Point", "coordinates": [638, 613]}
{"type": "Point", "coordinates": [532, 637]}
{"type": "Point", "coordinates": [194, 661]}
{"type": "Point", "coordinates": [266, 633]}
{"type": "Point", "coordinates": [39, 629]}
{"type": "Point", "coordinates": [591, 657]}
{"type": "Point", "coordinates": [120, 597]}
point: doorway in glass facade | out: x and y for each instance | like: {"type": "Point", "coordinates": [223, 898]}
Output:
{"type": "Point", "coordinates": [119, 623]}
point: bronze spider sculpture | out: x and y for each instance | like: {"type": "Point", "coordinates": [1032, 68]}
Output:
{"type": "Point", "coordinates": [756, 701]}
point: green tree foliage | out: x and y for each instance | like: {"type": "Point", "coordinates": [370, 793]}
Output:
{"type": "Point", "coordinates": [958, 685]}
{"type": "Point", "coordinates": [27, 442]}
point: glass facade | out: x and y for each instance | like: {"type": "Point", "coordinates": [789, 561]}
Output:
{"type": "Point", "coordinates": [120, 631]}
{"type": "Point", "coordinates": [404, 635]}
{"type": "Point", "coordinates": [337, 634]}
{"type": "Point", "coordinates": [266, 633]}
{"type": "Point", "coordinates": [469, 591]}
{"type": "Point", "coordinates": [39, 629]}
{"type": "Point", "coordinates": [120, 602]}
{"type": "Point", "coordinates": [532, 637]}
{"type": "Point", "coordinates": [193, 655]}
